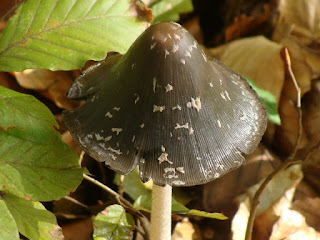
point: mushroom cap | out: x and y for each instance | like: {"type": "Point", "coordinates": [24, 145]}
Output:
{"type": "Point", "coordinates": [164, 106]}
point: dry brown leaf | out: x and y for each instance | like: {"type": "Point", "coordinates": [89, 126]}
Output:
{"type": "Point", "coordinates": [78, 230]}
{"type": "Point", "coordinates": [303, 16]}
{"type": "Point", "coordinates": [310, 209]}
{"type": "Point", "coordinates": [53, 85]}
{"type": "Point", "coordinates": [292, 226]}
{"type": "Point", "coordinates": [276, 197]}
{"type": "Point", "coordinates": [244, 24]}
{"type": "Point", "coordinates": [185, 230]}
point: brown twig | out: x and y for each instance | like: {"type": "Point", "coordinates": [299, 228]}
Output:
{"type": "Point", "coordinates": [290, 160]}
{"type": "Point", "coordinates": [125, 203]}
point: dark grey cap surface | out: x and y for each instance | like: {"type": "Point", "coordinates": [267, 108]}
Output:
{"type": "Point", "coordinates": [166, 107]}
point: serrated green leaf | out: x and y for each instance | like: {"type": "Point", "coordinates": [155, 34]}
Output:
{"type": "Point", "coordinates": [32, 219]}
{"type": "Point", "coordinates": [269, 101]}
{"type": "Point", "coordinates": [64, 34]}
{"type": "Point", "coordinates": [169, 10]}
{"type": "Point", "coordinates": [144, 203]}
{"type": "Point", "coordinates": [8, 227]}
{"type": "Point", "coordinates": [113, 223]}
{"type": "Point", "coordinates": [34, 162]}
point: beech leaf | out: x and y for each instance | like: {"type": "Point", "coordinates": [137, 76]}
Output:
{"type": "Point", "coordinates": [63, 35]}
{"type": "Point", "coordinates": [34, 162]}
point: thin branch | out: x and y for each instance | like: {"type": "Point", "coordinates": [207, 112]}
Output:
{"type": "Point", "coordinates": [286, 57]}
{"type": "Point", "coordinates": [75, 201]}
{"type": "Point", "coordinates": [125, 203]}
{"type": "Point", "coordinates": [290, 160]}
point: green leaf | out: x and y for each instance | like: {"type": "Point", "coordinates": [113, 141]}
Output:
{"type": "Point", "coordinates": [64, 34]}
{"type": "Point", "coordinates": [113, 223]}
{"type": "Point", "coordinates": [132, 185]}
{"type": "Point", "coordinates": [32, 219]}
{"type": "Point", "coordinates": [8, 227]}
{"type": "Point", "coordinates": [144, 203]}
{"type": "Point", "coordinates": [34, 162]}
{"type": "Point", "coordinates": [169, 10]}
{"type": "Point", "coordinates": [195, 212]}
{"type": "Point", "coordinates": [269, 101]}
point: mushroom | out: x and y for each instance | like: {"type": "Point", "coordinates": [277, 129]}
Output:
{"type": "Point", "coordinates": [183, 118]}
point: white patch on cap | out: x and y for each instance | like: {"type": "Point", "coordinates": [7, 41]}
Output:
{"type": "Point", "coordinates": [169, 87]}
{"type": "Point", "coordinates": [204, 56]}
{"type": "Point", "coordinates": [133, 65]}
{"type": "Point", "coordinates": [169, 35]}
{"type": "Point", "coordinates": [112, 156]}
{"type": "Point", "coordinates": [152, 45]}
{"type": "Point", "coordinates": [196, 103]}
{"type": "Point", "coordinates": [178, 126]}
{"type": "Point", "coordinates": [177, 107]}
{"type": "Point", "coordinates": [165, 39]}
{"type": "Point", "coordinates": [106, 139]}
{"type": "Point", "coordinates": [108, 114]}
{"type": "Point", "coordinates": [183, 61]}
{"type": "Point", "coordinates": [216, 175]}
{"type": "Point", "coordinates": [178, 183]}
{"type": "Point", "coordinates": [114, 150]}
{"type": "Point", "coordinates": [133, 138]}
{"type": "Point", "coordinates": [211, 85]}
{"type": "Point", "coordinates": [158, 108]}
{"type": "Point", "coordinates": [116, 109]}
{"type": "Point", "coordinates": [191, 131]}
{"type": "Point", "coordinates": [187, 54]}
{"type": "Point", "coordinates": [244, 116]}
{"type": "Point", "coordinates": [142, 125]}
{"type": "Point", "coordinates": [222, 95]}
{"type": "Point", "coordinates": [117, 130]}
{"type": "Point", "coordinates": [175, 48]}
{"type": "Point", "coordinates": [166, 52]}
{"type": "Point", "coordinates": [180, 169]}
{"type": "Point", "coordinates": [198, 158]}
{"type": "Point", "coordinates": [219, 123]}
{"type": "Point", "coordinates": [220, 80]}
{"type": "Point", "coordinates": [164, 156]}
{"type": "Point", "coordinates": [154, 84]}
{"type": "Point", "coordinates": [137, 98]}
{"type": "Point", "coordinates": [176, 36]}
{"type": "Point", "coordinates": [189, 105]}
{"type": "Point", "coordinates": [194, 45]}
{"type": "Point", "coordinates": [102, 145]}
{"type": "Point", "coordinates": [98, 137]}
{"type": "Point", "coordinates": [227, 94]}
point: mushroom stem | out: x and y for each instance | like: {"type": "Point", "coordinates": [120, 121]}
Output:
{"type": "Point", "coordinates": [161, 213]}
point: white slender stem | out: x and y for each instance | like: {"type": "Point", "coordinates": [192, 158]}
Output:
{"type": "Point", "coordinates": [161, 213]}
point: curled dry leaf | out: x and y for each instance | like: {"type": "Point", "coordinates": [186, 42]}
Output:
{"type": "Point", "coordinates": [258, 59]}
{"type": "Point", "coordinates": [53, 85]}
{"type": "Point", "coordinates": [276, 197]}
{"type": "Point", "coordinates": [292, 225]}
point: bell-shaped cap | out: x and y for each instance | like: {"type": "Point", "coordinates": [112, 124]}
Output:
{"type": "Point", "coordinates": [166, 107]}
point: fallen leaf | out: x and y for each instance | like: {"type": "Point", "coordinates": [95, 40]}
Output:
{"type": "Point", "coordinates": [310, 209]}
{"type": "Point", "coordinates": [276, 197]}
{"type": "Point", "coordinates": [53, 85]}
{"type": "Point", "coordinates": [185, 230]}
{"type": "Point", "coordinates": [292, 225]}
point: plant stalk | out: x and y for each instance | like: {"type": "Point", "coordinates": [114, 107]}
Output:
{"type": "Point", "coordinates": [161, 213]}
